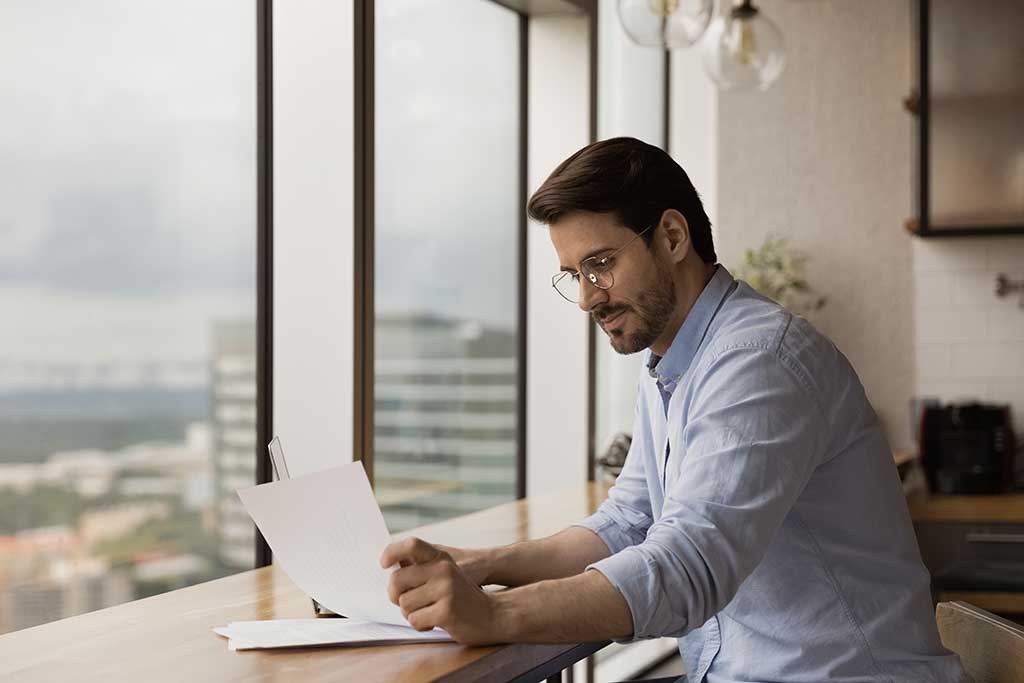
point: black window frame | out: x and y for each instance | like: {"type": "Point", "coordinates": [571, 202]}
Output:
{"type": "Point", "coordinates": [363, 291]}
{"type": "Point", "coordinates": [264, 253]}
{"type": "Point", "coordinates": [363, 233]}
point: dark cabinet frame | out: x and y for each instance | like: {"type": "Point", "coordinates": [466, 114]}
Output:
{"type": "Point", "coordinates": [920, 105]}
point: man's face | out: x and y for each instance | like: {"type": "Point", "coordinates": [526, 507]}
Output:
{"type": "Point", "coordinates": [634, 311]}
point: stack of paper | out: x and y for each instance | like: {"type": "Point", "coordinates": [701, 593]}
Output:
{"type": "Point", "coordinates": [252, 635]}
{"type": "Point", "coordinates": [327, 533]}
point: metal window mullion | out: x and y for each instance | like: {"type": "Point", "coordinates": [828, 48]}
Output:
{"type": "Point", "coordinates": [264, 252]}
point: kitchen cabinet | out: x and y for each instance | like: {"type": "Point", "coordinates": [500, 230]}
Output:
{"type": "Point", "coordinates": [974, 548]}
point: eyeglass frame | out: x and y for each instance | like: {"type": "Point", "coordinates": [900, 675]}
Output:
{"type": "Point", "coordinates": [592, 278]}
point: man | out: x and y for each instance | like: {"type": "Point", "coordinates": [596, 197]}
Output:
{"type": "Point", "coordinates": [758, 517]}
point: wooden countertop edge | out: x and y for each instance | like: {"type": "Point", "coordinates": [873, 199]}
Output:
{"type": "Point", "coordinates": [1006, 508]}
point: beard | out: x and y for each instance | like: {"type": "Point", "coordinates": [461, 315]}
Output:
{"type": "Point", "coordinates": [651, 313]}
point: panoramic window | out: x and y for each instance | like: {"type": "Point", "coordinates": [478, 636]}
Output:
{"type": "Point", "coordinates": [448, 211]}
{"type": "Point", "coordinates": [627, 74]}
{"type": "Point", "coordinates": [128, 299]}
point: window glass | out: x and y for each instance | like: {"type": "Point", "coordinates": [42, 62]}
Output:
{"type": "Point", "coordinates": [631, 101]}
{"type": "Point", "coordinates": [127, 295]}
{"type": "Point", "coordinates": [447, 211]}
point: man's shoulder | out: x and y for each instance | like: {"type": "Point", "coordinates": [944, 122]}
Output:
{"type": "Point", "coordinates": [750, 321]}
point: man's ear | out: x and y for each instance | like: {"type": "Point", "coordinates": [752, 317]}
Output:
{"type": "Point", "coordinates": [676, 235]}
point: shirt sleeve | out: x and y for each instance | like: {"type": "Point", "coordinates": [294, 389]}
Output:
{"type": "Point", "coordinates": [624, 517]}
{"type": "Point", "coordinates": [752, 439]}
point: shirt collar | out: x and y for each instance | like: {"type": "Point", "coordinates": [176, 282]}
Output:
{"type": "Point", "coordinates": [669, 369]}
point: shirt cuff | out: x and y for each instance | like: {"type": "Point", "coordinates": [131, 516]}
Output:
{"type": "Point", "coordinates": [632, 574]}
{"type": "Point", "coordinates": [615, 536]}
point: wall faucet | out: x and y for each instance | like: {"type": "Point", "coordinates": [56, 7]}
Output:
{"type": "Point", "coordinates": [1005, 286]}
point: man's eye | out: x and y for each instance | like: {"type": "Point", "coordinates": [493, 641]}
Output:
{"type": "Point", "coordinates": [602, 265]}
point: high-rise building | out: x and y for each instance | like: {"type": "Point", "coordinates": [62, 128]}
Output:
{"type": "Point", "coordinates": [30, 604]}
{"type": "Point", "coordinates": [445, 422]}
{"type": "Point", "coordinates": [45, 574]}
{"type": "Point", "coordinates": [233, 414]}
{"type": "Point", "coordinates": [444, 418]}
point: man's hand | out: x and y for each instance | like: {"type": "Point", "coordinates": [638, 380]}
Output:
{"type": "Point", "coordinates": [431, 590]}
{"type": "Point", "coordinates": [473, 563]}
{"type": "Point", "coordinates": [556, 601]}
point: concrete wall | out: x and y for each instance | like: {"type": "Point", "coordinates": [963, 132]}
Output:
{"type": "Point", "coordinates": [313, 161]}
{"type": "Point", "coordinates": [556, 376]}
{"type": "Point", "coordinates": [824, 158]}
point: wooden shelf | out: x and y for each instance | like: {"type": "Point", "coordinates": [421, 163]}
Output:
{"type": "Point", "coordinates": [913, 226]}
{"type": "Point", "coordinates": [1009, 99]}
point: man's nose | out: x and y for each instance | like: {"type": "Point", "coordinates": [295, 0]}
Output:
{"type": "Point", "coordinates": [591, 295]}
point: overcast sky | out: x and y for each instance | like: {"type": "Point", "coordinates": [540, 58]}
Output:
{"type": "Point", "coordinates": [127, 171]}
{"type": "Point", "coordinates": [447, 158]}
{"type": "Point", "coordinates": [127, 177]}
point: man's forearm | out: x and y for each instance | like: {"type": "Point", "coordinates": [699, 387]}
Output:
{"type": "Point", "coordinates": [578, 609]}
{"type": "Point", "coordinates": [564, 554]}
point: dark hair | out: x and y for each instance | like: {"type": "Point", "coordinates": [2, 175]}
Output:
{"type": "Point", "coordinates": [634, 181]}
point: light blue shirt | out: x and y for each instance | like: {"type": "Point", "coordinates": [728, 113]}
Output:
{"type": "Point", "coordinates": [759, 517]}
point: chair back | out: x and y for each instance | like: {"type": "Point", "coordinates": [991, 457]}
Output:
{"type": "Point", "coordinates": [991, 648]}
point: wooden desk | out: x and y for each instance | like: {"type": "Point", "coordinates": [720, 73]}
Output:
{"type": "Point", "coordinates": [168, 638]}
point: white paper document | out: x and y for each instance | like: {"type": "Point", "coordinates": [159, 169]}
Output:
{"type": "Point", "coordinates": [278, 633]}
{"type": "Point", "coordinates": [327, 533]}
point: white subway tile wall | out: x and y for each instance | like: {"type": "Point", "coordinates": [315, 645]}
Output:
{"type": "Point", "coordinates": [969, 343]}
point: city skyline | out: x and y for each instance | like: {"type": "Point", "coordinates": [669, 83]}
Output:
{"type": "Point", "coordinates": [128, 180]}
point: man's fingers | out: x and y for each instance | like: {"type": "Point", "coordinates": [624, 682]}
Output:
{"type": "Point", "coordinates": [406, 578]}
{"type": "Point", "coordinates": [417, 598]}
{"type": "Point", "coordinates": [428, 617]}
{"type": "Point", "coordinates": [408, 551]}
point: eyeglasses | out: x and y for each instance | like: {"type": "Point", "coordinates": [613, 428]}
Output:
{"type": "Point", "coordinates": [596, 269]}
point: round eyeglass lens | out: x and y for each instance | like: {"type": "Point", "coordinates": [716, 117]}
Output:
{"type": "Point", "coordinates": [568, 287]}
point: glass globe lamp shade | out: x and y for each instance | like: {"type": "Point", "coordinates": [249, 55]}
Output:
{"type": "Point", "coordinates": [744, 50]}
{"type": "Point", "coordinates": [665, 23]}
